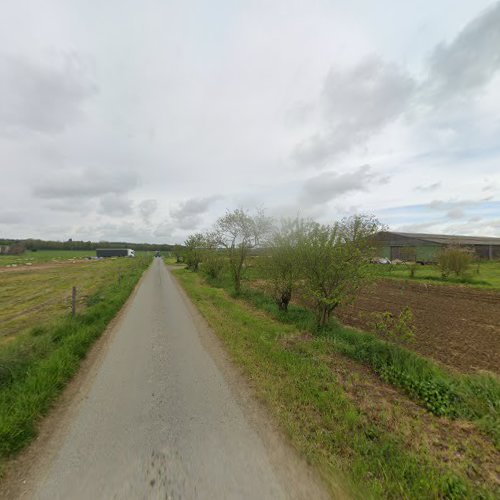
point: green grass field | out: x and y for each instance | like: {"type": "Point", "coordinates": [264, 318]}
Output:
{"type": "Point", "coordinates": [387, 453]}
{"type": "Point", "coordinates": [41, 345]}
{"type": "Point", "coordinates": [44, 256]}
{"type": "Point", "coordinates": [34, 296]}
{"type": "Point", "coordinates": [486, 275]}
{"type": "Point", "coordinates": [29, 258]}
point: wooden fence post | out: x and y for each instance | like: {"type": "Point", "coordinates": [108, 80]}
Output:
{"type": "Point", "coordinates": [73, 301]}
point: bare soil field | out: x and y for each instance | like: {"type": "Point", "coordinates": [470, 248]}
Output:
{"type": "Point", "coordinates": [456, 325]}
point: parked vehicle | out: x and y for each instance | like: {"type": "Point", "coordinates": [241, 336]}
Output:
{"type": "Point", "coordinates": [380, 260]}
{"type": "Point", "coordinates": [115, 252]}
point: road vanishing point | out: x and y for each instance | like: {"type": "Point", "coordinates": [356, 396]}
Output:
{"type": "Point", "coordinates": [163, 414]}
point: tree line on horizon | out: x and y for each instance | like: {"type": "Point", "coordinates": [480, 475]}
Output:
{"type": "Point", "coordinates": [34, 245]}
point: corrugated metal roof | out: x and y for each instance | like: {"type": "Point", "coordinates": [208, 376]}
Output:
{"type": "Point", "coordinates": [447, 239]}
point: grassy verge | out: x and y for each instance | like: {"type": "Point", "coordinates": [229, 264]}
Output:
{"type": "Point", "coordinates": [302, 392]}
{"type": "Point", "coordinates": [471, 397]}
{"type": "Point", "coordinates": [35, 367]}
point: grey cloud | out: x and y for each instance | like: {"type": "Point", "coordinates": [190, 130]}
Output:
{"type": "Point", "coordinates": [355, 105]}
{"type": "Point", "coordinates": [454, 210]}
{"type": "Point", "coordinates": [450, 205]}
{"type": "Point", "coordinates": [469, 227]}
{"type": "Point", "coordinates": [194, 206]}
{"type": "Point", "coordinates": [328, 185]}
{"type": "Point", "coordinates": [429, 187]}
{"type": "Point", "coordinates": [86, 183]}
{"type": "Point", "coordinates": [121, 230]}
{"type": "Point", "coordinates": [422, 227]}
{"type": "Point", "coordinates": [486, 228]}
{"type": "Point", "coordinates": [468, 62]}
{"type": "Point", "coordinates": [83, 206]}
{"type": "Point", "coordinates": [165, 229]}
{"type": "Point", "coordinates": [188, 214]}
{"type": "Point", "coordinates": [10, 217]}
{"type": "Point", "coordinates": [115, 204]}
{"type": "Point", "coordinates": [42, 96]}
{"type": "Point", "coordinates": [455, 213]}
{"type": "Point", "coordinates": [146, 209]}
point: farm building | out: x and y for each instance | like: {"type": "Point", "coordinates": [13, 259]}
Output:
{"type": "Point", "coordinates": [423, 247]}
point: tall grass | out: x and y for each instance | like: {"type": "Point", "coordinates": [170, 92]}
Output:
{"type": "Point", "coordinates": [35, 367]}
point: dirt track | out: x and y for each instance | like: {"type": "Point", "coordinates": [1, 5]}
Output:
{"type": "Point", "coordinates": [456, 325]}
{"type": "Point", "coordinates": [164, 416]}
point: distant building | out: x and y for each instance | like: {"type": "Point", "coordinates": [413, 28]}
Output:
{"type": "Point", "coordinates": [423, 247]}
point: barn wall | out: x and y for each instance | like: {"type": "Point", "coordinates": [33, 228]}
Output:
{"type": "Point", "coordinates": [485, 252]}
{"type": "Point", "coordinates": [422, 252]}
{"type": "Point", "coordinates": [388, 245]}
{"type": "Point", "coordinates": [427, 253]}
{"type": "Point", "coordinates": [383, 251]}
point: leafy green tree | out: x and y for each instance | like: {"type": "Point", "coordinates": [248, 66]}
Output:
{"type": "Point", "coordinates": [334, 260]}
{"type": "Point", "coordinates": [213, 257]}
{"type": "Point", "coordinates": [194, 246]}
{"type": "Point", "coordinates": [454, 259]}
{"type": "Point", "coordinates": [281, 260]}
{"type": "Point", "coordinates": [177, 251]}
{"type": "Point", "coordinates": [237, 233]}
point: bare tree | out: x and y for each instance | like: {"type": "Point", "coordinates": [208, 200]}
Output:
{"type": "Point", "coordinates": [335, 262]}
{"type": "Point", "coordinates": [237, 233]}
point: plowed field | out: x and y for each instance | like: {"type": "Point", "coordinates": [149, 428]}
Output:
{"type": "Point", "coordinates": [456, 325]}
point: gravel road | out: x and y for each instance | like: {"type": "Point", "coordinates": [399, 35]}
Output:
{"type": "Point", "coordinates": [161, 418]}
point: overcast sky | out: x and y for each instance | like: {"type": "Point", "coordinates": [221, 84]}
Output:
{"type": "Point", "coordinates": [144, 120]}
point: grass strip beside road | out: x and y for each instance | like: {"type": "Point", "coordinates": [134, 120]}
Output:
{"type": "Point", "coordinates": [295, 382]}
{"type": "Point", "coordinates": [34, 368]}
{"type": "Point", "coordinates": [471, 397]}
